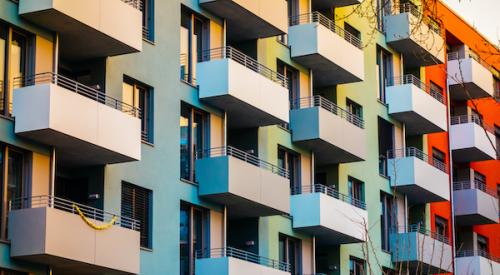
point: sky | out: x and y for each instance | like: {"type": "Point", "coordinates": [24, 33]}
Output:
{"type": "Point", "coordinates": [482, 14]}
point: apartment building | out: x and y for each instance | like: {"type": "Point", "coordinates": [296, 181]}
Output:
{"type": "Point", "coordinates": [246, 137]}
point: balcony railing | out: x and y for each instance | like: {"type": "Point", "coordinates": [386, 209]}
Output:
{"type": "Point", "coordinates": [330, 191]}
{"type": "Point", "coordinates": [463, 119]}
{"type": "Point", "coordinates": [242, 255]}
{"type": "Point", "coordinates": [480, 253]}
{"type": "Point", "coordinates": [70, 207]}
{"type": "Point", "coordinates": [318, 101]}
{"type": "Point", "coordinates": [462, 55]}
{"type": "Point", "coordinates": [137, 4]}
{"type": "Point", "coordinates": [411, 79]}
{"type": "Point", "coordinates": [419, 228]}
{"type": "Point", "coordinates": [78, 88]}
{"type": "Point", "coordinates": [414, 152]}
{"type": "Point", "coordinates": [317, 17]}
{"type": "Point", "coordinates": [415, 11]}
{"type": "Point", "coordinates": [248, 62]}
{"type": "Point", "coordinates": [242, 155]}
{"type": "Point", "coordinates": [474, 184]}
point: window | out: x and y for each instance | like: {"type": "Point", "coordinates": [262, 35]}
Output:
{"type": "Point", "coordinates": [290, 161]}
{"type": "Point", "coordinates": [350, 29]}
{"type": "Point", "coordinates": [137, 203]}
{"type": "Point", "coordinates": [441, 226]}
{"type": "Point", "coordinates": [388, 271]}
{"type": "Point", "coordinates": [290, 253]}
{"type": "Point", "coordinates": [356, 189]}
{"type": "Point", "coordinates": [194, 41]}
{"type": "Point", "coordinates": [140, 96]}
{"type": "Point", "coordinates": [387, 216]}
{"type": "Point", "coordinates": [438, 158]}
{"type": "Point", "coordinates": [356, 266]}
{"type": "Point", "coordinates": [193, 235]}
{"type": "Point", "coordinates": [482, 244]}
{"type": "Point", "coordinates": [194, 131]}
{"type": "Point", "coordinates": [292, 76]}
{"type": "Point", "coordinates": [497, 139]}
{"type": "Point", "coordinates": [479, 181]}
{"type": "Point", "coordinates": [147, 8]}
{"type": "Point", "coordinates": [293, 11]}
{"type": "Point", "coordinates": [11, 272]}
{"type": "Point", "coordinates": [385, 71]}
{"type": "Point", "coordinates": [354, 108]}
{"type": "Point", "coordinates": [385, 143]}
{"type": "Point", "coordinates": [434, 88]}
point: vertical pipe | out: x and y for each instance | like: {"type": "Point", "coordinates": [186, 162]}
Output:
{"type": "Point", "coordinates": [55, 58]}
{"type": "Point", "coordinates": [52, 176]}
{"type": "Point", "coordinates": [314, 254]}
{"type": "Point", "coordinates": [224, 228]}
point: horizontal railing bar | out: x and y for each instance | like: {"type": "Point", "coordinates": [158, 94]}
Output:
{"type": "Point", "coordinates": [411, 79]}
{"type": "Point", "coordinates": [419, 228]}
{"type": "Point", "coordinates": [474, 184]}
{"type": "Point", "coordinates": [330, 191]}
{"type": "Point", "coordinates": [463, 119]}
{"type": "Point", "coordinates": [415, 152]}
{"type": "Point", "coordinates": [479, 253]}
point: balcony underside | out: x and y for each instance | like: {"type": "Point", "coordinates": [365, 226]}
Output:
{"type": "Point", "coordinates": [326, 236]}
{"type": "Point", "coordinates": [63, 266]}
{"type": "Point", "coordinates": [326, 72]}
{"type": "Point", "coordinates": [326, 4]}
{"type": "Point", "coordinates": [416, 194]}
{"type": "Point", "coordinates": [457, 91]}
{"type": "Point", "coordinates": [470, 154]}
{"type": "Point", "coordinates": [326, 153]}
{"type": "Point", "coordinates": [473, 219]}
{"type": "Point", "coordinates": [414, 54]}
{"type": "Point", "coordinates": [416, 124]}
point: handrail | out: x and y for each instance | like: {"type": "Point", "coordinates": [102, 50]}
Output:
{"type": "Point", "coordinates": [137, 4]}
{"type": "Point", "coordinates": [243, 59]}
{"type": "Point", "coordinates": [319, 101]}
{"type": "Point", "coordinates": [79, 88]}
{"type": "Point", "coordinates": [463, 119]}
{"type": "Point", "coordinates": [479, 253]}
{"type": "Point", "coordinates": [411, 79]}
{"type": "Point", "coordinates": [317, 17]}
{"type": "Point", "coordinates": [412, 9]}
{"type": "Point", "coordinates": [242, 255]}
{"type": "Point", "coordinates": [68, 206]}
{"type": "Point", "coordinates": [474, 184]}
{"type": "Point", "coordinates": [456, 55]}
{"type": "Point", "coordinates": [419, 228]}
{"type": "Point", "coordinates": [242, 155]}
{"type": "Point", "coordinates": [414, 152]}
{"type": "Point", "coordinates": [330, 191]}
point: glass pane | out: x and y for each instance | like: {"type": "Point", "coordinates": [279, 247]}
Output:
{"type": "Point", "coordinates": [3, 44]}
{"type": "Point", "coordinates": [15, 176]}
{"type": "Point", "coordinates": [184, 52]}
{"type": "Point", "coordinates": [128, 94]}
{"type": "Point", "coordinates": [185, 143]}
{"type": "Point", "coordinates": [184, 241]}
{"type": "Point", "coordinates": [17, 62]}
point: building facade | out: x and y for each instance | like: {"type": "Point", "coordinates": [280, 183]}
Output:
{"type": "Point", "coordinates": [247, 137]}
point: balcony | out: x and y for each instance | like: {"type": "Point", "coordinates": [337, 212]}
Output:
{"type": "Point", "coordinates": [332, 217]}
{"type": "Point", "coordinates": [334, 134]}
{"type": "Point", "coordinates": [420, 108]}
{"type": "Point", "coordinates": [232, 261]}
{"type": "Point", "coordinates": [250, 187]}
{"type": "Point", "coordinates": [469, 77]}
{"type": "Point", "coordinates": [328, 4]}
{"type": "Point", "coordinates": [83, 124]}
{"type": "Point", "coordinates": [89, 29]}
{"type": "Point", "coordinates": [248, 20]}
{"type": "Point", "coordinates": [334, 55]}
{"type": "Point", "coordinates": [476, 262]}
{"type": "Point", "coordinates": [421, 250]}
{"type": "Point", "coordinates": [421, 178]}
{"type": "Point", "coordinates": [474, 203]}
{"type": "Point", "coordinates": [469, 141]}
{"type": "Point", "coordinates": [50, 231]}
{"type": "Point", "coordinates": [416, 37]}
{"type": "Point", "coordinates": [252, 94]}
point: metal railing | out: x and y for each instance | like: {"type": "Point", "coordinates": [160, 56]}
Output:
{"type": "Point", "coordinates": [317, 17]}
{"type": "Point", "coordinates": [474, 184]}
{"type": "Point", "coordinates": [480, 253]}
{"type": "Point", "coordinates": [137, 4]}
{"type": "Point", "coordinates": [414, 152]}
{"type": "Point", "coordinates": [462, 55]}
{"type": "Point", "coordinates": [415, 11]}
{"type": "Point", "coordinates": [185, 73]}
{"type": "Point", "coordinates": [463, 119]}
{"type": "Point", "coordinates": [78, 88]}
{"type": "Point", "coordinates": [420, 228]}
{"type": "Point", "coordinates": [244, 156]}
{"type": "Point", "coordinates": [243, 59]}
{"type": "Point", "coordinates": [242, 255]}
{"type": "Point", "coordinates": [411, 79]}
{"type": "Point", "coordinates": [318, 101]}
{"type": "Point", "coordinates": [330, 191]}
{"type": "Point", "coordinates": [69, 206]}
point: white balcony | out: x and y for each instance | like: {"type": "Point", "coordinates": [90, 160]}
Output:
{"type": "Point", "coordinates": [48, 231]}
{"type": "Point", "coordinates": [250, 187]}
{"type": "Point", "coordinates": [421, 108]}
{"type": "Point", "coordinates": [469, 72]}
{"type": "Point", "coordinates": [476, 262]}
{"type": "Point", "coordinates": [231, 261]}
{"type": "Point", "coordinates": [89, 29]}
{"type": "Point", "coordinates": [421, 178]}
{"type": "Point", "coordinates": [250, 19]}
{"type": "Point", "coordinates": [335, 135]}
{"type": "Point", "coordinates": [83, 124]}
{"type": "Point", "coordinates": [421, 250]}
{"type": "Point", "coordinates": [335, 55]}
{"type": "Point", "coordinates": [252, 94]}
{"type": "Point", "coordinates": [417, 38]}
{"type": "Point", "coordinates": [332, 217]}
{"type": "Point", "coordinates": [474, 203]}
{"type": "Point", "coordinates": [469, 141]}
{"type": "Point", "coordinates": [327, 4]}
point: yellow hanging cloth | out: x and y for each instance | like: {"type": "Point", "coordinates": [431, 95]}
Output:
{"type": "Point", "coordinates": [91, 224]}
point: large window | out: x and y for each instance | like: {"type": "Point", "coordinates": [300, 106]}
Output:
{"type": "Point", "coordinates": [387, 216]}
{"type": "Point", "coordinates": [441, 226]}
{"type": "Point", "coordinates": [292, 76]}
{"type": "Point", "coordinates": [356, 189]}
{"type": "Point", "coordinates": [137, 204]}
{"type": "Point", "coordinates": [140, 96]}
{"type": "Point", "coordinates": [290, 161]}
{"type": "Point", "coordinates": [290, 253]}
{"type": "Point", "coordinates": [385, 143]}
{"type": "Point", "coordinates": [482, 244]}
{"type": "Point", "coordinates": [194, 131]}
{"type": "Point", "coordinates": [147, 8]}
{"type": "Point", "coordinates": [194, 35]}
{"type": "Point", "coordinates": [354, 108]}
{"type": "Point", "coordinates": [385, 71]}
{"type": "Point", "coordinates": [356, 266]}
{"type": "Point", "coordinates": [193, 235]}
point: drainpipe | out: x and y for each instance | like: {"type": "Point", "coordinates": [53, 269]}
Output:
{"type": "Point", "coordinates": [52, 176]}
{"type": "Point", "coordinates": [405, 225]}
{"type": "Point", "coordinates": [55, 58]}
{"type": "Point", "coordinates": [224, 229]}
{"type": "Point", "coordinates": [314, 254]}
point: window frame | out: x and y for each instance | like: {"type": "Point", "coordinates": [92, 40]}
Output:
{"type": "Point", "coordinates": [387, 218]}
{"type": "Point", "coordinates": [295, 178]}
{"type": "Point", "coordinates": [146, 114]}
{"type": "Point", "coordinates": [191, 209]}
{"type": "Point", "coordinates": [354, 264]}
{"type": "Point", "coordinates": [190, 59]}
{"type": "Point", "coordinates": [146, 230]}
{"type": "Point", "coordinates": [295, 268]}
{"type": "Point", "coordinates": [205, 128]}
